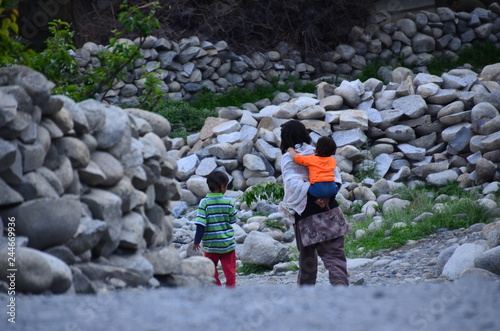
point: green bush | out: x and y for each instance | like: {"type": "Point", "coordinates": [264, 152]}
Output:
{"type": "Point", "coordinates": [183, 117]}
{"type": "Point", "coordinates": [270, 192]}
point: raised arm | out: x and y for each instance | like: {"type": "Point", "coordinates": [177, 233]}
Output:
{"type": "Point", "coordinates": [292, 152]}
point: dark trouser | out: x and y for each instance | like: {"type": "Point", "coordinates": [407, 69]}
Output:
{"type": "Point", "coordinates": [331, 253]}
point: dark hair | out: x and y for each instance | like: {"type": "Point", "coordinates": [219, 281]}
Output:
{"type": "Point", "coordinates": [325, 146]}
{"type": "Point", "coordinates": [216, 180]}
{"type": "Point", "coordinates": [292, 133]}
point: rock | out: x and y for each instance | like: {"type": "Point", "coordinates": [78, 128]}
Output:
{"type": "Point", "coordinates": [112, 169]}
{"type": "Point", "coordinates": [62, 278]}
{"type": "Point", "coordinates": [165, 260]}
{"type": "Point", "coordinates": [491, 233]}
{"type": "Point", "coordinates": [106, 206]}
{"type": "Point", "coordinates": [135, 263]}
{"type": "Point", "coordinates": [37, 276]}
{"type": "Point", "coordinates": [489, 260]}
{"type": "Point", "coordinates": [262, 249]}
{"type": "Point", "coordinates": [444, 256]}
{"type": "Point", "coordinates": [59, 224]}
{"type": "Point", "coordinates": [161, 126]}
{"type": "Point", "coordinates": [132, 231]}
{"type": "Point", "coordinates": [462, 259]}
{"type": "Point", "coordinates": [412, 106]}
{"type": "Point", "coordinates": [491, 72]}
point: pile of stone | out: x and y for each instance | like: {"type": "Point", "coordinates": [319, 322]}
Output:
{"type": "Point", "coordinates": [85, 190]}
{"type": "Point", "coordinates": [420, 128]}
{"type": "Point", "coordinates": [187, 66]}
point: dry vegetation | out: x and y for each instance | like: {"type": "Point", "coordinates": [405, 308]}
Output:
{"type": "Point", "coordinates": [310, 26]}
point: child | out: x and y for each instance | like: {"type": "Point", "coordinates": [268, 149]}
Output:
{"type": "Point", "coordinates": [321, 170]}
{"type": "Point", "coordinates": [213, 222]}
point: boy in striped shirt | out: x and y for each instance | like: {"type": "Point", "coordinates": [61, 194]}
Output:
{"type": "Point", "coordinates": [213, 222]}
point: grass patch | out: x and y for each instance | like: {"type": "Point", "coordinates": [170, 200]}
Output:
{"type": "Point", "coordinates": [237, 96]}
{"type": "Point", "coordinates": [183, 117]}
{"type": "Point", "coordinates": [460, 212]}
{"type": "Point", "coordinates": [250, 268]}
{"type": "Point", "coordinates": [371, 70]}
{"type": "Point", "coordinates": [275, 224]}
{"type": "Point", "coordinates": [478, 56]}
{"type": "Point", "coordinates": [189, 117]}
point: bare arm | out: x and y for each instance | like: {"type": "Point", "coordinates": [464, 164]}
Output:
{"type": "Point", "coordinates": [292, 152]}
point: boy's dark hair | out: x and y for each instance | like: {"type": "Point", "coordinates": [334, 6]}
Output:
{"type": "Point", "coordinates": [216, 180]}
{"type": "Point", "coordinates": [325, 146]}
{"type": "Point", "coordinates": [292, 133]}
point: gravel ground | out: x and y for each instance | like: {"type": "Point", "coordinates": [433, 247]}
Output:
{"type": "Point", "coordinates": [468, 304]}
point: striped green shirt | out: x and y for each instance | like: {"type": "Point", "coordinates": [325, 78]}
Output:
{"type": "Point", "coordinates": [216, 213]}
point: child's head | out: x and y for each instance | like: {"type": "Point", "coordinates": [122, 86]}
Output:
{"type": "Point", "coordinates": [325, 146]}
{"type": "Point", "coordinates": [217, 182]}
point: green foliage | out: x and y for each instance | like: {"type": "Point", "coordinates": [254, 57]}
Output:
{"type": "Point", "coordinates": [461, 211]}
{"type": "Point", "coordinates": [56, 62]}
{"type": "Point", "coordinates": [12, 52]}
{"type": "Point", "coordinates": [477, 55]}
{"type": "Point", "coordinates": [183, 117]}
{"type": "Point", "coordinates": [371, 69]}
{"type": "Point", "coordinates": [270, 192]}
{"type": "Point", "coordinates": [250, 268]}
{"type": "Point", "coordinates": [275, 224]}
{"type": "Point", "coordinates": [367, 169]}
{"type": "Point", "coordinates": [237, 96]}
{"type": "Point", "coordinates": [152, 94]}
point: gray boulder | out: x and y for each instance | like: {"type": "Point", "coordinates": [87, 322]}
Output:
{"type": "Point", "coordinates": [59, 224]}
{"type": "Point", "coordinates": [262, 249]}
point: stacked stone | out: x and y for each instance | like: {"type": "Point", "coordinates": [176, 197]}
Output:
{"type": "Point", "coordinates": [421, 127]}
{"type": "Point", "coordinates": [185, 67]}
{"type": "Point", "coordinates": [88, 187]}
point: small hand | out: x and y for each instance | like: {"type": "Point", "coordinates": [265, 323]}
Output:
{"type": "Point", "coordinates": [196, 247]}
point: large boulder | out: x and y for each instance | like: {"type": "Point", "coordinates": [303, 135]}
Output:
{"type": "Point", "coordinates": [261, 249]}
{"type": "Point", "coordinates": [59, 223]}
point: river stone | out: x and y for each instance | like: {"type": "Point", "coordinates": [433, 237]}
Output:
{"type": "Point", "coordinates": [116, 121]}
{"type": "Point", "coordinates": [165, 260]}
{"type": "Point", "coordinates": [9, 196]}
{"type": "Point", "coordinates": [400, 133]}
{"type": "Point", "coordinates": [198, 185]}
{"type": "Point", "coordinates": [62, 277]}
{"type": "Point", "coordinates": [412, 106]}
{"type": "Point", "coordinates": [87, 236]}
{"type": "Point", "coordinates": [59, 223]}
{"type": "Point", "coordinates": [37, 276]}
{"type": "Point", "coordinates": [442, 178]}
{"type": "Point", "coordinates": [77, 152]}
{"type": "Point", "coordinates": [462, 259]}
{"type": "Point", "coordinates": [262, 249]}
{"type": "Point", "coordinates": [161, 126]}
{"type": "Point", "coordinates": [111, 167]}
{"type": "Point", "coordinates": [105, 206]}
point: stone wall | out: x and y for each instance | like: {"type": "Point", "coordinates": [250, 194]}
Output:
{"type": "Point", "coordinates": [189, 65]}
{"type": "Point", "coordinates": [417, 128]}
{"type": "Point", "coordinates": [86, 189]}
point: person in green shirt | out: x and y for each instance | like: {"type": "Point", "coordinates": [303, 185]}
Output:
{"type": "Point", "coordinates": [213, 222]}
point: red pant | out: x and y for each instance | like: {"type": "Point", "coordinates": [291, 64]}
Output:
{"type": "Point", "coordinates": [228, 261]}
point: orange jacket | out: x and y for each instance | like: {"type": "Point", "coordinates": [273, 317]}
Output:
{"type": "Point", "coordinates": [320, 168]}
